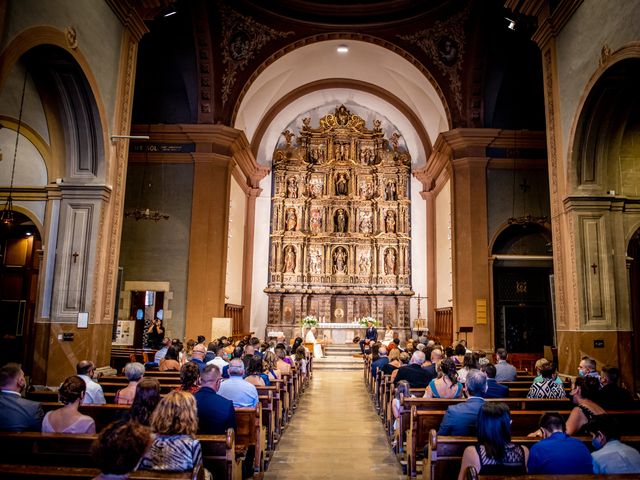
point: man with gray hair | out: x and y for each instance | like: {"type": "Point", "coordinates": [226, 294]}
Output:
{"type": "Point", "coordinates": [381, 361]}
{"type": "Point", "coordinates": [236, 389]}
{"type": "Point", "coordinates": [587, 368]}
{"type": "Point", "coordinates": [417, 376]}
{"type": "Point", "coordinates": [94, 394]}
{"type": "Point", "coordinates": [460, 419]}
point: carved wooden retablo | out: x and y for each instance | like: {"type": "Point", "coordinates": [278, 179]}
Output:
{"type": "Point", "coordinates": [340, 227]}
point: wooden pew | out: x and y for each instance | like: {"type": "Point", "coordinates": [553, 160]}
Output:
{"type": "Point", "coordinates": [471, 474]}
{"type": "Point", "coordinates": [35, 472]}
{"type": "Point", "coordinates": [65, 450]}
{"type": "Point", "coordinates": [251, 435]}
{"type": "Point", "coordinates": [444, 454]}
{"type": "Point", "coordinates": [523, 423]}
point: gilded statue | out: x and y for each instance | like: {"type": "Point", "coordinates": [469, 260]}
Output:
{"type": "Point", "coordinates": [340, 260]}
{"type": "Point", "coordinates": [316, 220]}
{"type": "Point", "coordinates": [342, 184]}
{"type": "Point", "coordinates": [292, 187]}
{"type": "Point", "coordinates": [289, 260]}
{"type": "Point", "coordinates": [390, 222]}
{"type": "Point", "coordinates": [390, 262]}
{"type": "Point", "coordinates": [390, 191]}
{"type": "Point", "coordinates": [291, 219]}
{"type": "Point", "coordinates": [342, 115]}
{"type": "Point", "coordinates": [288, 137]}
{"type": "Point", "coordinates": [342, 151]}
{"type": "Point", "coordinates": [340, 221]}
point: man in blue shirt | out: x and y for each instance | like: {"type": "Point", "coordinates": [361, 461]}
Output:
{"type": "Point", "coordinates": [160, 354]}
{"type": "Point", "coordinates": [558, 453]}
{"type": "Point", "coordinates": [611, 455]}
{"type": "Point", "coordinates": [380, 362]}
{"type": "Point", "coordinates": [236, 388]}
{"type": "Point", "coordinates": [215, 413]}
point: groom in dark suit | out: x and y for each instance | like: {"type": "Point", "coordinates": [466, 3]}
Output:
{"type": "Point", "coordinates": [370, 336]}
{"type": "Point", "coordinates": [16, 413]}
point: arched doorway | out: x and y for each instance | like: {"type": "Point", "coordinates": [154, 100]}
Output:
{"type": "Point", "coordinates": [21, 251]}
{"type": "Point", "coordinates": [633, 264]}
{"type": "Point", "coordinates": [522, 272]}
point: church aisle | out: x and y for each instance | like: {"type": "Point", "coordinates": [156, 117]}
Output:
{"type": "Point", "coordinates": [334, 434]}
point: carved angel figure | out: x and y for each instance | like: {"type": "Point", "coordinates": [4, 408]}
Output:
{"type": "Point", "coordinates": [288, 137]}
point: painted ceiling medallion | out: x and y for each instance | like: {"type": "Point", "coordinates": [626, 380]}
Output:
{"type": "Point", "coordinates": [242, 38]}
{"type": "Point", "coordinates": [444, 44]}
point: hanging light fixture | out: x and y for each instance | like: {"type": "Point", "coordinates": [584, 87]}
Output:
{"type": "Point", "coordinates": [147, 213]}
{"type": "Point", "coordinates": [526, 218]}
{"type": "Point", "coordinates": [6, 216]}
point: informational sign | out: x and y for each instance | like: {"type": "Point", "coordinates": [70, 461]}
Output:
{"type": "Point", "coordinates": [481, 311]}
{"type": "Point", "coordinates": [125, 332]}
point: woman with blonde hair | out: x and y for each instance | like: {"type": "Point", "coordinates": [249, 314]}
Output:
{"type": "Point", "coordinates": [68, 419]}
{"type": "Point", "coordinates": [174, 423]}
{"type": "Point", "coordinates": [134, 371]}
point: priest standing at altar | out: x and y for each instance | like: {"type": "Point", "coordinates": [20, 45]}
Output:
{"type": "Point", "coordinates": [317, 346]}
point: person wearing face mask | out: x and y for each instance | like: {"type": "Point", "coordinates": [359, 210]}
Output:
{"type": "Point", "coordinates": [611, 455]}
{"type": "Point", "coordinates": [16, 413]}
{"type": "Point", "coordinates": [587, 368]}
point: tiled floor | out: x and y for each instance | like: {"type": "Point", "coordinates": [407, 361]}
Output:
{"type": "Point", "coordinates": [335, 434]}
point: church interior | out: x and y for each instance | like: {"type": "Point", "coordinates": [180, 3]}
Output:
{"type": "Point", "coordinates": [465, 168]}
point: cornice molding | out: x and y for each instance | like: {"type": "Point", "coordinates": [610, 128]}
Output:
{"type": "Point", "coordinates": [129, 17]}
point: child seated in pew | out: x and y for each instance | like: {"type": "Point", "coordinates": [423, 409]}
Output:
{"type": "Point", "coordinates": [402, 390]}
{"type": "Point", "coordinates": [494, 454]}
{"type": "Point", "coordinates": [118, 449]}
{"type": "Point", "coordinates": [68, 419]}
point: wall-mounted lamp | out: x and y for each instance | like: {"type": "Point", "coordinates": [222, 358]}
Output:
{"type": "Point", "coordinates": [512, 23]}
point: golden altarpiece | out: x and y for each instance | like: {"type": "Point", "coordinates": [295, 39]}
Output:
{"type": "Point", "coordinates": [340, 229]}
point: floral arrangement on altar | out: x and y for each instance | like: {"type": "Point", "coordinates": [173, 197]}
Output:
{"type": "Point", "coordinates": [309, 321]}
{"type": "Point", "coordinates": [365, 320]}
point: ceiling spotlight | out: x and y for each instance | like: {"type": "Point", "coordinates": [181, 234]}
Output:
{"type": "Point", "coordinates": [342, 49]}
{"type": "Point", "coordinates": [170, 12]}
{"type": "Point", "coordinates": [28, 234]}
{"type": "Point", "coordinates": [512, 23]}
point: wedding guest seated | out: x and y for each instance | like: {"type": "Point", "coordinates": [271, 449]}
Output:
{"type": "Point", "coordinates": [218, 357]}
{"type": "Point", "coordinates": [587, 368]}
{"type": "Point", "coordinates": [134, 372]}
{"type": "Point", "coordinates": [170, 362]}
{"type": "Point", "coordinates": [461, 419]}
{"type": "Point", "coordinates": [174, 423]}
{"type": "Point", "coordinates": [494, 454]}
{"type": "Point", "coordinates": [393, 362]}
{"type": "Point", "coordinates": [402, 390]}
{"type": "Point", "coordinates": [558, 453]}
{"type": "Point", "coordinates": [381, 361]}
{"type": "Point", "coordinates": [118, 449]}
{"type": "Point", "coordinates": [494, 389]}
{"type": "Point", "coordinates": [541, 363]}
{"type": "Point", "coordinates": [211, 352]}
{"type": "Point", "coordinates": [301, 360]}
{"type": "Point", "coordinates": [584, 394]}
{"type": "Point", "coordinates": [94, 394]}
{"type": "Point", "coordinates": [612, 396]}
{"type": "Point", "coordinates": [215, 413]}
{"type": "Point", "coordinates": [283, 366]}
{"type": "Point", "coordinates": [505, 372]}
{"type": "Point", "coordinates": [67, 419]}
{"type": "Point", "coordinates": [270, 366]}
{"type": "Point", "coordinates": [546, 387]}
{"type": "Point", "coordinates": [197, 356]}
{"type": "Point", "coordinates": [236, 389]}
{"type": "Point", "coordinates": [611, 455]}
{"type": "Point", "coordinates": [254, 373]}
{"type": "Point", "coordinates": [189, 378]}
{"type": "Point", "coordinates": [160, 354]}
{"type": "Point", "coordinates": [145, 402]}
{"type": "Point", "coordinates": [460, 352]}
{"type": "Point", "coordinates": [447, 385]}
{"type": "Point", "coordinates": [470, 363]}
{"type": "Point", "coordinates": [404, 360]}
{"type": "Point", "coordinates": [17, 414]}
{"type": "Point", "coordinates": [417, 376]}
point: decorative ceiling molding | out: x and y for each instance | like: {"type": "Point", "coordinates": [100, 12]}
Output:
{"type": "Point", "coordinates": [242, 38]}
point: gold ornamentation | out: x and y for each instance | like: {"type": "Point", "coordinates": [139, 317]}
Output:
{"type": "Point", "coordinates": [242, 38]}
{"type": "Point", "coordinates": [71, 37]}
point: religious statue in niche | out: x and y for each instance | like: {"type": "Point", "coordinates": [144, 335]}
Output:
{"type": "Point", "coordinates": [316, 220]}
{"type": "Point", "coordinates": [340, 221]}
{"type": "Point", "coordinates": [291, 220]}
{"type": "Point", "coordinates": [342, 184]}
{"type": "Point", "coordinates": [390, 191]}
{"type": "Point", "coordinates": [395, 140]}
{"type": "Point", "coordinates": [342, 116]}
{"type": "Point", "coordinates": [342, 151]}
{"type": "Point", "coordinates": [306, 123]}
{"type": "Point", "coordinates": [315, 187]}
{"type": "Point", "coordinates": [288, 137]}
{"type": "Point", "coordinates": [365, 222]}
{"type": "Point", "coordinates": [289, 260]}
{"type": "Point", "coordinates": [390, 222]}
{"type": "Point", "coordinates": [340, 260]}
{"type": "Point", "coordinates": [365, 189]}
{"type": "Point", "coordinates": [389, 261]}
{"type": "Point", "coordinates": [364, 264]}
{"type": "Point", "coordinates": [366, 155]}
{"type": "Point", "coordinates": [315, 262]}
{"type": "Point", "coordinates": [292, 187]}
{"type": "Point", "coordinates": [377, 126]}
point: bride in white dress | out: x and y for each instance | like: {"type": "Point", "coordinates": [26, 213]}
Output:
{"type": "Point", "coordinates": [317, 346]}
{"type": "Point", "coordinates": [388, 335]}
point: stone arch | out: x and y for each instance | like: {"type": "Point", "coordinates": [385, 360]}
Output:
{"type": "Point", "coordinates": [516, 239]}
{"type": "Point", "coordinates": [609, 112]}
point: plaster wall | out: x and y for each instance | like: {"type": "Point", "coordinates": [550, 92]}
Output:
{"type": "Point", "coordinates": [159, 251]}
{"type": "Point", "coordinates": [235, 249]}
{"type": "Point", "coordinates": [594, 24]}
{"type": "Point", "coordinates": [259, 299]}
{"type": "Point", "coordinates": [418, 251]}
{"type": "Point", "coordinates": [444, 279]}
{"type": "Point", "coordinates": [98, 32]}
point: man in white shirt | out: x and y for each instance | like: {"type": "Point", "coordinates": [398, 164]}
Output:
{"type": "Point", "coordinates": [236, 388]}
{"type": "Point", "coordinates": [611, 455]}
{"type": "Point", "coordinates": [218, 360]}
{"type": "Point", "coordinates": [160, 354]}
{"type": "Point", "coordinates": [94, 395]}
